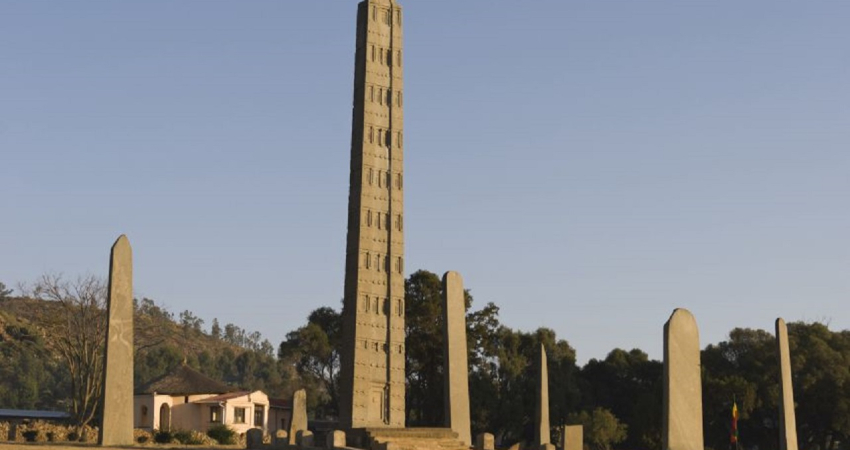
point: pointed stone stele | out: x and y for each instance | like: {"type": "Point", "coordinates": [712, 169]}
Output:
{"type": "Point", "coordinates": [117, 427]}
{"type": "Point", "coordinates": [572, 438]}
{"type": "Point", "coordinates": [682, 383]}
{"type": "Point", "coordinates": [541, 413]}
{"type": "Point", "coordinates": [787, 417]}
{"type": "Point", "coordinates": [456, 375]}
{"type": "Point", "coordinates": [299, 416]}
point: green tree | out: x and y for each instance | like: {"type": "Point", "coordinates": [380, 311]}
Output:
{"type": "Point", "coordinates": [602, 429]}
{"type": "Point", "coordinates": [4, 293]}
{"type": "Point", "coordinates": [315, 351]}
{"type": "Point", "coordinates": [629, 385]}
{"type": "Point", "coordinates": [80, 337]}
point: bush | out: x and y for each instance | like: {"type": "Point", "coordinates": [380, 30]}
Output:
{"type": "Point", "coordinates": [30, 435]}
{"type": "Point", "coordinates": [163, 437]}
{"type": "Point", "coordinates": [222, 434]}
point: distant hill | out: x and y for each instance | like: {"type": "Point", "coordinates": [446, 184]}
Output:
{"type": "Point", "coordinates": [33, 376]}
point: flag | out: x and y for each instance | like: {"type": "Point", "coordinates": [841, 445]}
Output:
{"type": "Point", "coordinates": [733, 434]}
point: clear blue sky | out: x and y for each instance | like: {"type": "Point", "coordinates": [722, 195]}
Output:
{"type": "Point", "coordinates": [587, 166]}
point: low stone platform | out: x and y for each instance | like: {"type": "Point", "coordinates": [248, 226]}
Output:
{"type": "Point", "coordinates": [408, 439]}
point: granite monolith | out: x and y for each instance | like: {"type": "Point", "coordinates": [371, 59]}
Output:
{"type": "Point", "coordinates": [117, 426]}
{"type": "Point", "coordinates": [682, 383]}
{"type": "Point", "coordinates": [456, 381]}
{"type": "Point", "coordinates": [787, 417]}
{"type": "Point", "coordinates": [299, 415]}
{"type": "Point", "coordinates": [541, 413]}
{"type": "Point", "coordinates": [572, 437]}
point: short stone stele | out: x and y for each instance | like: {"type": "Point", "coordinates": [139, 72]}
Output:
{"type": "Point", "coordinates": [485, 441]}
{"type": "Point", "coordinates": [304, 438]}
{"type": "Point", "coordinates": [787, 418]}
{"type": "Point", "coordinates": [117, 427]}
{"type": "Point", "coordinates": [299, 415]}
{"type": "Point", "coordinates": [541, 416]}
{"type": "Point", "coordinates": [335, 439]}
{"type": "Point", "coordinates": [454, 351]}
{"type": "Point", "coordinates": [682, 383]}
{"type": "Point", "coordinates": [572, 437]}
{"type": "Point", "coordinates": [254, 438]}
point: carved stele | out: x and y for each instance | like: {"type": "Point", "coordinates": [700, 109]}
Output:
{"type": "Point", "coordinates": [454, 351]}
{"type": "Point", "coordinates": [541, 414]}
{"type": "Point", "coordinates": [787, 418]}
{"type": "Point", "coordinates": [117, 427]}
{"type": "Point", "coordinates": [371, 373]}
{"type": "Point", "coordinates": [682, 383]}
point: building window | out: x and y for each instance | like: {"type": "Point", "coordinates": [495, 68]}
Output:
{"type": "Point", "coordinates": [379, 220]}
{"type": "Point", "coordinates": [387, 17]}
{"type": "Point", "coordinates": [259, 413]}
{"type": "Point", "coordinates": [371, 171]}
{"type": "Point", "coordinates": [399, 56]}
{"type": "Point", "coordinates": [368, 260]}
{"type": "Point", "coordinates": [368, 218]}
{"type": "Point", "coordinates": [400, 308]}
{"type": "Point", "coordinates": [398, 139]}
{"type": "Point", "coordinates": [380, 96]}
{"type": "Point", "coordinates": [389, 97]}
{"type": "Point", "coordinates": [373, 53]}
{"type": "Point", "coordinates": [215, 414]}
{"type": "Point", "coordinates": [386, 267]}
{"type": "Point", "coordinates": [377, 311]}
{"type": "Point", "coordinates": [371, 93]}
{"type": "Point", "coordinates": [388, 138]}
{"type": "Point", "coordinates": [398, 17]}
{"type": "Point", "coordinates": [398, 222]}
{"type": "Point", "coordinates": [381, 51]}
{"type": "Point", "coordinates": [389, 58]}
{"type": "Point", "coordinates": [374, 13]}
{"type": "Point", "coordinates": [387, 221]}
{"type": "Point", "coordinates": [238, 415]}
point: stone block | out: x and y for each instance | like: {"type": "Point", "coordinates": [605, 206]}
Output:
{"type": "Point", "coordinates": [485, 441]}
{"type": "Point", "coordinates": [572, 438]}
{"type": "Point", "coordinates": [682, 384]}
{"type": "Point", "coordinates": [335, 439]}
{"type": "Point", "coordinates": [254, 439]}
{"type": "Point", "coordinates": [304, 438]}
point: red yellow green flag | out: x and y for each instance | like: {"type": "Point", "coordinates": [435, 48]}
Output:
{"type": "Point", "coordinates": [733, 435]}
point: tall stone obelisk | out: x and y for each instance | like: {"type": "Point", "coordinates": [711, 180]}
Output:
{"type": "Point", "coordinates": [372, 359]}
{"type": "Point", "coordinates": [541, 414]}
{"type": "Point", "coordinates": [117, 427]}
{"type": "Point", "coordinates": [456, 372]}
{"type": "Point", "coordinates": [682, 384]}
{"type": "Point", "coordinates": [787, 417]}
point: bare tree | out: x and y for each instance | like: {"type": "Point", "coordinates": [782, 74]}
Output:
{"type": "Point", "coordinates": [79, 324]}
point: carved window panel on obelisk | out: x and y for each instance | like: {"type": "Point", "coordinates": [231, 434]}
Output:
{"type": "Point", "coordinates": [372, 365]}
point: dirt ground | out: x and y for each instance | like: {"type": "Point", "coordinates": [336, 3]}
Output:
{"type": "Point", "coordinates": [66, 446]}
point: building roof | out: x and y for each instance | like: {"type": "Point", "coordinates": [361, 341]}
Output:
{"type": "Point", "coordinates": [223, 397]}
{"type": "Point", "coordinates": [184, 380]}
{"type": "Point", "coordinates": [30, 414]}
